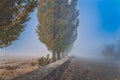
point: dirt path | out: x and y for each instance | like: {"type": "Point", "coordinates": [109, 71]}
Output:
{"type": "Point", "coordinates": [91, 70]}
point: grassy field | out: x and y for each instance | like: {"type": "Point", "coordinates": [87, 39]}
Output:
{"type": "Point", "coordinates": [11, 67]}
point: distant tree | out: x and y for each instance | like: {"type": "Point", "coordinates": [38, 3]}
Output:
{"type": "Point", "coordinates": [117, 56]}
{"type": "Point", "coordinates": [109, 52]}
{"type": "Point", "coordinates": [13, 15]}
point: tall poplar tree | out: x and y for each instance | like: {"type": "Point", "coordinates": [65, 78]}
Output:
{"type": "Point", "coordinates": [69, 16]}
{"type": "Point", "coordinates": [46, 27]}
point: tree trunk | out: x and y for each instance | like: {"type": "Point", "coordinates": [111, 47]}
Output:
{"type": "Point", "coordinates": [66, 54]}
{"type": "Point", "coordinates": [58, 56]}
{"type": "Point", "coordinates": [53, 56]}
{"type": "Point", "coordinates": [63, 54]}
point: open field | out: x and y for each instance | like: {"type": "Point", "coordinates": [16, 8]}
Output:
{"type": "Point", "coordinates": [14, 66]}
{"type": "Point", "coordinates": [82, 69]}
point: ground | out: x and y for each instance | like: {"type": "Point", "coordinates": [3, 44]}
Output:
{"type": "Point", "coordinates": [11, 67]}
{"type": "Point", "coordinates": [86, 69]}
{"type": "Point", "coordinates": [78, 69]}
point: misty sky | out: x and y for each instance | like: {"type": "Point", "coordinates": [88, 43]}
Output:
{"type": "Point", "coordinates": [99, 24]}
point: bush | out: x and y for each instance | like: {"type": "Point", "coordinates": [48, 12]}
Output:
{"type": "Point", "coordinates": [33, 63]}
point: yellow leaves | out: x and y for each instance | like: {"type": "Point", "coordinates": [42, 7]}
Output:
{"type": "Point", "coordinates": [20, 6]}
{"type": "Point", "coordinates": [19, 18]}
{"type": "Point", "coordinates": [25, 11]}
{"type": "Point", "coordinates": [40, 1]}
{"type": "Point", "coordinates": [48, 1]}
{"type": "Point", "coordinates": [60, 22]}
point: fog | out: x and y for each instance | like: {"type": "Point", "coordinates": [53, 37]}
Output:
{"type": "Point", "coordinates": [99, 25]}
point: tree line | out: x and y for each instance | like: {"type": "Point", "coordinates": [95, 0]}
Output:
{"type": "Point", "coordinates": [57, 28]}
{"type": "Point", "coordinates": [111, 51]}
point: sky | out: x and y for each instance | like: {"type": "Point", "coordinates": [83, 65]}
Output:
{"type": "Point", "coordinates": [99, 25]}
